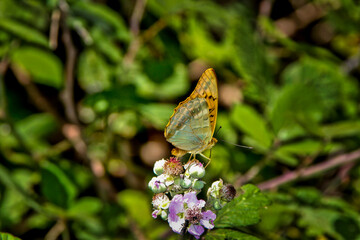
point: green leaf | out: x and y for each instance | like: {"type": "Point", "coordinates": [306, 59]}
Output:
{"type": "Point", "coordinates": [341, 129]}
{"type": "Point", "coordinates": [36, 126]}
{"type": "Point", "coordinates": [136, 204]}
{"type": "Point", "coordinates": [105, 17]}
{"type": "Point", "coordinates": [157, 114]}
{"type": "Point", "coordinates": [174, 86]}
{"type": "Point", "coordinates": [287, 153]}
{"type": "Point", "coordinates": [43, 67]}
{"type": "Point", "coordinates": [24, 32]}
{"type": "Point", "coordinates": [250, 122]}
{"type": "Point", "coordinates": [249, 57]}
{"type": "Point", "coordinates": [228, 234]}
{"type": "Point", "coordinates": [93, 73]}
{"type": "Point", "coordinates": [243, 210]}
{"type": "Point", "coordinates": [296, 104]}
{"type": "Point", "coordinates": [8, 236]}
{"type": "Point", "coordinates": [56, 186]}
{"type": "Point", "coordinates": [84, 206]}
{"type": "Point", "coordinates": [319, 222]}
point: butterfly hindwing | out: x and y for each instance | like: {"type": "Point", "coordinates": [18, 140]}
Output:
{"type": "Point", "coordinates": [189, 129]}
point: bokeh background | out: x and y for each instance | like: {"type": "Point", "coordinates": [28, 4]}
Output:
{"type": "Point", "coordinates": [87, 87]}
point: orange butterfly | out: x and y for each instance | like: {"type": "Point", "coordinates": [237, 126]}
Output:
{"type": "Point", "coordinates": [191, 126]}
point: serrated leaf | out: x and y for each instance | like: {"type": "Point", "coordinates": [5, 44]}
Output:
{"type": "Point", "coordinates": [243, 210]}
{"type": "Point", "coordinates": [24, 32]}
{"type": "Point", "coordinates": [250, 122]}
{"type": "Point", "coordinates": [8, 236]}
{"type": "Point", "coordinates": [228, 234]}
{"type": "Point", "coordinates": [56, 186]}
{"type": "Point", "coordinates": [44, 67]}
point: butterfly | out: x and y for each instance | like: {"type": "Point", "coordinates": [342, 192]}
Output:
{"type": "Point", "coordinates": [191, 126]}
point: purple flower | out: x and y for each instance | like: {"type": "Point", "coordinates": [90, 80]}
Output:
{"type": "Point", "coordinates": [189, 208]}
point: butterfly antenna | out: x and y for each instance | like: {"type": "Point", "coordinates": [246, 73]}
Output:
{"type": "Point", "coordinates": [217, 131]}
{"type": "Point", "coordinates": [243, 146]}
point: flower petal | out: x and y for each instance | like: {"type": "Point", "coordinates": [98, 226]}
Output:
{"type": "Point", "coordinates": [208, 218]}
{"type": "Point", "coordinates": [191, 199]}
{"type": "Point", "coordinates": [178, 225]}
{"type": "Point", "coordinates": [155, 213]}
{"type": "Point", "coordinates": [196, 230]}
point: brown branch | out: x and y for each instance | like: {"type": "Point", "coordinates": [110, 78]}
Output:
{"type": "Point", "coordinates": [56, 230]}
{"type": "Point", "coordinates": [310, 171]}
{"type": "Point", "coordinates": [54, 29]}
{"type": "Point", "coordinates": [68, 92]}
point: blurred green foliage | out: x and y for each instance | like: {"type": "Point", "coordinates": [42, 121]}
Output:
{"type": "Point", "coordinates": [87, 87]}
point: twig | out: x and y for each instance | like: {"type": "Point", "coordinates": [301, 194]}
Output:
{"type": "Point", "coordinates": [54, 29]}
{"type": "Point", "coordinates": [68, 93]}
{"type": "Point", "coordinates": [135, 29]}
{"type": "Point", "coordinates": [34, 94]}
{"type": "Point", "coordinates": [310, 171]}
{"type": "Point", "coordinates": [56, 230]}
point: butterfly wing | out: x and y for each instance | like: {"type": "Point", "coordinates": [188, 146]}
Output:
{"type": "Point", "coordinates": [207, 88]}
{"type": "Point", "coordinates": [189, 128]}
{"type": "Point", "coordinates": [193, 134]}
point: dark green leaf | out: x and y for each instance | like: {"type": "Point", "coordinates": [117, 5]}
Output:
{"type": "Point", "coordinates": [228, 234]}
{"type": "Point", "coordinates": [243, 210]}
{"type": "Point", "coordinates": [56, 186]}
{"type": "Point", "coordinates": [104, 17]}
{"type": "Point", "coordinates": [23, 32]}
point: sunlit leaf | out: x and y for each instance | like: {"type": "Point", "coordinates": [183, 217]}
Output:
{"type": "Point", "coordinates": [251, 123]}
{"type": "Point", "coordinates": [7, 236]}
{"type": "Point", "coordinates": [136, 204]}
{"type": "Point", "coordinates": [157, 114]}
{"type": "Point", "coordinates": [43, 67]}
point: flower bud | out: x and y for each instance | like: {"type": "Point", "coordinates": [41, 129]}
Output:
{"type": "Point", "coordinates": [164, 215]}
{"type": "Point", "coordinates": [227, 192]}
{"type": "Point", "coordinates": [157, 185]}
{"type": "Point", "coordinates": [197, 184]}
{"type": "Point", "coordinates": [159, 167]}
{"type": "Point", "coordinates": [185, 183]}
{"type": "Point", "coordinates": [197, 170]}
{"type": "Point", "coordinates": [217, 205]}
{"type": "Point", "coordinates": [214, 190]}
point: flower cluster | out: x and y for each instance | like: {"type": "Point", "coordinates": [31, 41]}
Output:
{"type": "Point", "coordinates": [176, 186]}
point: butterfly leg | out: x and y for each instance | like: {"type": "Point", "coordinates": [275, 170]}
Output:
{"type": "Point", "coordinates": [206, 158]}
